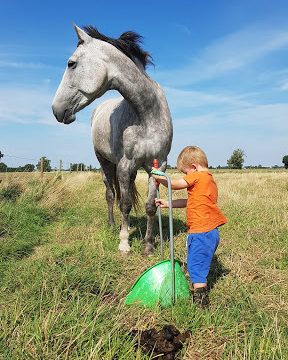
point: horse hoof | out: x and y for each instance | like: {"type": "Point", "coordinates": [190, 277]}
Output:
{"type": "Point", "coordinates": [124, 248]}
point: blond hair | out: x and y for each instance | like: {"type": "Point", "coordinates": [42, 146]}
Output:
{"type": "Point", "coordinates": [191, 155]}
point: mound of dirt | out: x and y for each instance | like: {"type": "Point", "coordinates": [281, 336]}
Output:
{"type": "Point", "coordinates": [165, 343]}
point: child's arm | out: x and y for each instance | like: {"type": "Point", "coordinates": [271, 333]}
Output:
{"type": "Point", "coordinates": [178, 203]}
{"type": "Point", "coordinates": [176, 184]}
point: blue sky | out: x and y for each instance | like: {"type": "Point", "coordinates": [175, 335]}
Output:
{"type": "Point", "coordinates": [223, 66]}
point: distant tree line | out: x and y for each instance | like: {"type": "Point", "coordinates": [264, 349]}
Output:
{"type": "Point", "coordinates": [26, 168]}
{"type": "Point", "coordinates": [235, 161]}
{"type": "Point", "coordinates": [81, 167]}
{"type": "Point", "coordinates": [44, 165]}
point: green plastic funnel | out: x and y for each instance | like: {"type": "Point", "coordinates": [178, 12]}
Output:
{"type": "Point", "coordinates": [153, 287]}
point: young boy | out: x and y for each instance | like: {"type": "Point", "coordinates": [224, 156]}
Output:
{"type": "Point", "coordinates": [202, 215]}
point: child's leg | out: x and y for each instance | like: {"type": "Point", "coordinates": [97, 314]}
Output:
{"type": "Point", "coordinates": [201, 248]}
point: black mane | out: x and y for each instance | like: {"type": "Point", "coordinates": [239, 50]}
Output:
{"type": "Point", "coordinates": [128, 43]}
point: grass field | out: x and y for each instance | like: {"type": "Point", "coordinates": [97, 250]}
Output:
{"type": "Point", "coordinates": [63, 281]}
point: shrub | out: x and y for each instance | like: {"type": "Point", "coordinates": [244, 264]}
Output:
{"type": "Point", "coordinates": [11, 192]}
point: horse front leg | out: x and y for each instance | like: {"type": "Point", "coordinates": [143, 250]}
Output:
{"type": "Point", "coordinates": [125, 208]}
{"type": "Point", "coordinates": [150, 212]}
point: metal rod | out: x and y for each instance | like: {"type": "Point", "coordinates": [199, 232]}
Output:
{"type": "Point", "coordinates": [160, 225]}
{"type": "Point", "coordinates": [156, 166]}
{"type": "Point", "coordinates": [171, 236]}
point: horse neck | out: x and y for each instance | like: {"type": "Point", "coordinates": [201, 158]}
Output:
{"type": "Point", "coordinates": [144, 95]}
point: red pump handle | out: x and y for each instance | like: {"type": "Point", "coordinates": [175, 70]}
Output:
{"type": "Point", "coordinates": [155, 164]}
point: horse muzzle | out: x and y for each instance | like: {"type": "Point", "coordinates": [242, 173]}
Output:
{"type": "Point", "coordinates": [65, 117]}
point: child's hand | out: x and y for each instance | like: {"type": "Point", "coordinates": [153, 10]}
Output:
{"type": "Point", "coordinates": [159, 178]}
{"type": "Point", "coordinates": [162, 203]}
{"type": "Point", "coordinates": [155, 177]}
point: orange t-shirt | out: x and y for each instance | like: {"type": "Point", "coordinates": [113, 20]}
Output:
{"type": "Point", "coordinates": [202, 211]}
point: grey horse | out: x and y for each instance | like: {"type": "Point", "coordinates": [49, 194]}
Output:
{"type": "Point", "coordinates": [127, 132]}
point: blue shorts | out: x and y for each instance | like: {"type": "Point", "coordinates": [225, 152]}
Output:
{"type": "Point", "coordinates": [200, 250]}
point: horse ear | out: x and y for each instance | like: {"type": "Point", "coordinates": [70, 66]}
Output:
{"type": "Point", "coordinates": [82, 36]}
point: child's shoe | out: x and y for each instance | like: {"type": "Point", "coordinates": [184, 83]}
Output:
{"type": "Point", "coordinates": [200, 297]}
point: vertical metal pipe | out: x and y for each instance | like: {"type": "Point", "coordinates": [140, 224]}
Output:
{"type": "Point", "coordinates": [171, 237]}
{"type": "Point", "coordinates": [156, 166]}
{"type": "Point", "coordinates": [160, 225]}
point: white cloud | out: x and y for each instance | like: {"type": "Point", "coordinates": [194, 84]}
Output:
{"type": "Point", "coordinates": [267, 118]}
{"type": "Point", "coordinates": [284, 86]}
{"type": "Point", "coordinates": [24, 105]}
{"type": "Point", "coordinates": [180, 99]}
{"type": "Point", "coordinates": [33, 105]}
{"type": "Point", "coordinates": [227, 54]}
{"type": "Point", "coordinates": [261, 130]}
{"type": "Point", "coordinates": [22, 65]}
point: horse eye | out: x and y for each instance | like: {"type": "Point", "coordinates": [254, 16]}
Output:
{"type": "Point", "coordinates": [72, 64]}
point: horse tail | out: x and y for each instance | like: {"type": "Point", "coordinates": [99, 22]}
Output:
{"type": "Point", "coordinates": [134, 194]}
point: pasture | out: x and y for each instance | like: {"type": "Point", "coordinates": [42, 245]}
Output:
{"type": "Point", "coordinates": [63, 280]}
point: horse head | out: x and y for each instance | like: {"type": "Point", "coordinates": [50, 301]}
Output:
{"type": "Point", "coordinates": [84, 80]}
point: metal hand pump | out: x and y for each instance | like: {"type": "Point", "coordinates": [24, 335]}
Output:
{"type": "Point", "coordinates": [160, 173]}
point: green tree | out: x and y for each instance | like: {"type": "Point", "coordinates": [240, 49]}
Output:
{"type": "Point", "coordinates": [73, 167]}
{"type": "Point", "coordinates": [236, 160]}
{"type": "Point", "coordinates": [28, 167]}
{"type": "Point", "coordinates": [46, 164]}
{"type": "Point", "coordinates": [3, 167]}
{"type": "Point", "coordinates": [285, 161]}
{"type": "Point", "coordinates": [77, 167]}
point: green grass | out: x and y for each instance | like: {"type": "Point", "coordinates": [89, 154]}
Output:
{"type": "Point", "coordinates": [63, 281]}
